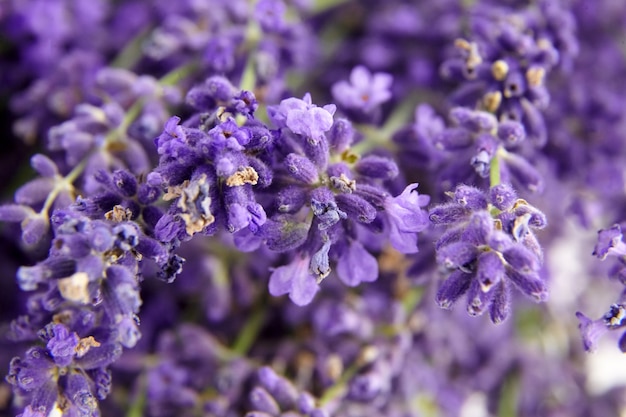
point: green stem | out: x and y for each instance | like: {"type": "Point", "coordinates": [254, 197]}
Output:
{"type": "Point", "coordinates": [494, 171]}
{"type": "Point", "coordinates": [131, 115]}
{"type": "Point", "coordinates": [63, 184]}
{"type": "Point", "coordinates": [374, 138]}
{"type": "Point", "coordinates": [403, 113]}
{"type": "Point", "coordinates": [136, 407]}
{"type": "Point", "coordinates": [131, 53]}
{"type": "Point", "coordinates": [340, 386]}
{"type": "Point", "coordinates": [248, 78]}
{"type": "Point", "coordinates": [412, 298]}
{"type": "Point", "coordinates": [381, 137]}
{"type": "Point", "coordinates": [321, 6]}
{"type": "Point", "coordinates": [250, 331]}
{"type": "Point", "coordinates": [252, 38]}
{"type": "Point", "coordinates": [507, 407]}
{"type": "Point", "coordinates": [177, 74]}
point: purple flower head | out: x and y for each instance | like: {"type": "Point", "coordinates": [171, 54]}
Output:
{"type": "Point", "coordinates": [489, 247]}
{"type": "Point", "coordinates": [365, 91]}
{"type": "Point", "coordinates": [270, 14]}
{"type": "Point", "coordinates": [502, 68]}
{"type": "Point", "coordinates": [302, 117]}
{"type": "Point", "coordinates": [406, 218]}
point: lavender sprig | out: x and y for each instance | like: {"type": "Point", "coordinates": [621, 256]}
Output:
{"type": "Point", "coordinates": [299, 270]}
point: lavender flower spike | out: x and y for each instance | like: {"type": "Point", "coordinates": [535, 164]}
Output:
{"type": "Point", "coordinates": [489, 248]}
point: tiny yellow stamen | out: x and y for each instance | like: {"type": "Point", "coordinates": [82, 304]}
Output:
{"type": "Point", "coordinates": [499, 69]}
{"type": "Point", "coordinates": [535, 76]}
{"type": "Point", "coordinates": [492, 101]}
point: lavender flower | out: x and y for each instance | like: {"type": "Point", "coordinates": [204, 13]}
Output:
{"type": "Point", "coordinates": [470, 145]}
{"type": "Point", "coordinates": [504, 66]}
{"type": "Point", "coordinates": [174, 140]}
{"type": "Point", "coordinates": [592, 330]}
{"type": "Point", "coordinates": [365, 92]}
{"type": "Point", "coordinates": [342, 197]}
{"type": "Point", "coordinates": [489, 247]}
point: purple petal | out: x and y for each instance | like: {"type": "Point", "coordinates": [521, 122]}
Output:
{"type": "Point", "coordinates": [294, 279]}
{"type": "Point", "coordinates": [357, 265]}
{"type": "Point", "coordinates": [590, 330]}
{"type": "Point", "coordinates": [304, 289]}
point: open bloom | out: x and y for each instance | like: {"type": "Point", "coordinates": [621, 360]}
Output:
{"type": "Point", "coordinates": [365, 91]}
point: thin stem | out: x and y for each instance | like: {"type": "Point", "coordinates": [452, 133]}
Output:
{"type": "Point", "coordinates": [374, 138]}
{"type": "Point", "coordinates": [252, 38]}
{"type": "Point", "coordinates": [250, 331]}
{"type": "Point", "coordinates": [63, 184]}
{"type": "Point", "coordinates": [321, 6]}
{"type": "Point", "coordinates": [177, 74]}
{"type": "Point", "coordinates": [138, 404]}
{"type": "Point", "coordinates": [340, 386]}
{"type": "Point", "coordinates": [507, 407]}
{"type": "Point", "coordinates": [402, 114]}
{"type": "Point", "coordinates": [494, 171]}
{"type": "Point", "coordinates": [381, 137]}
{"type": "Point", "coordinates": [412, 298]}
{"type": "Point", "coordinates": [248, 78]}
{"type": "Point", "coordinates": [131, 115]}
{"type": "Point", "coordinates": [131, 53]}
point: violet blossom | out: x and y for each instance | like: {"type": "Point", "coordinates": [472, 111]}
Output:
{"type": "Point", "coordinates": [212, 208]}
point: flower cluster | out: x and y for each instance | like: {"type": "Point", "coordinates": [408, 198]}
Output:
{"type": "Point", "coordinates": [489, 248]}
{"type": "Point", "coordinates": [84, 307]}
{"type": "Point", "coordinates": [212, 208]}
{"type": "Point", "coordinates": [504, 64]}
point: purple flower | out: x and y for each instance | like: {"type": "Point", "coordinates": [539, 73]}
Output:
{"type": "Point", "coordinates": [406, 218]}
{"type": "Point", "coordinates": [593, 330]}
{"type": "Point", "coordinates": [357, 265]}
{"type": "Point", "coordinates": [610, 243]}
{"type": "Point", "coordinates": [489, 247]}
{"type": "Point", "coordinates": [302, 117]}
{"type": "Point", "coordinates": [296, 280]}
{"type": "Point", "coordinates": [62, 346]}
{"type": "Point", "coordinates": [365, 91]}
{"type": "Point", "coordinates": [270, 14]}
